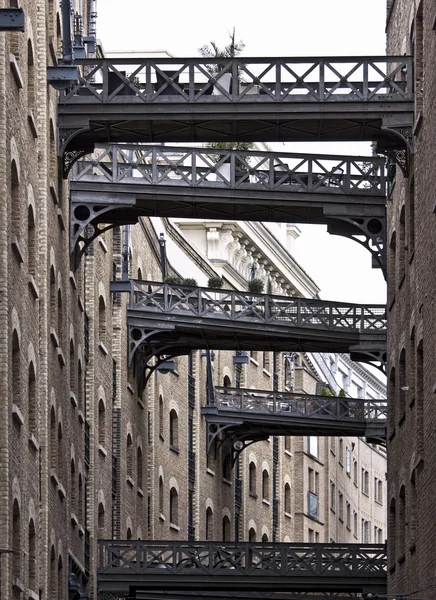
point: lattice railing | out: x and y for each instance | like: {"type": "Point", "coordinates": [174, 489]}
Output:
{"type": "Point", "coordinates": [198, 80]}
{"type": "Point", "coordinates": [206, 167]}
{"type": "Point", "coordinates": [231, 305]}
{"type": "Point", "coordinates": [289, 404]}
{"type": "Point", "coordinates": [244, 559]}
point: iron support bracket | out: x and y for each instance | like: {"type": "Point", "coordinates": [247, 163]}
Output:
{"type": "Point", "coordinates": [11, 19]}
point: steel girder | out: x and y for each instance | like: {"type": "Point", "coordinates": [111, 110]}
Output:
{"type": "Point", "coordinates": [244, 99]}
{"type": "Point", "coordinates": [239, 415]}
{"type": "Point", "coordinates": [165, 320]}
{"type": "Point", "coordinates": [122, 182]}
{"type": "Point", "coordinates": [144, 567]}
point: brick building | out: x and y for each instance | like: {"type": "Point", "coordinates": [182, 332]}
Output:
{"type": "Point", "coordinates": [411, 303]}
{"type": "Point", "coordinates": [86, 453]}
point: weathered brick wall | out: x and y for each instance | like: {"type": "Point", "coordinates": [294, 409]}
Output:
{"type": "Point", "coordinates": [412, 334]}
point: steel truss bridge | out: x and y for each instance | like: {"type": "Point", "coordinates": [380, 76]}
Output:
{"type": "Point", "coordinates": [144, 567]}
{"type": "Point", "coordinates": [239, 99]}
{"type": "Point", "coordinates": [225, 595]}
{"type": "Point", "coordinates": [241, 415]}
{"type": "Point", "coordinates": [169, 320]}
{"type": "Point", "coordinates": [121, 182]}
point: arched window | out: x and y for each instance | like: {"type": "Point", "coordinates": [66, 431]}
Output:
{"type": "Point", "coordinates": [161, 496]}
{"type": "Point", "coordinates": [30, 78]}
{"type": "Point", "coordinates": [252, 479]}
{"type": "Point", "coordinates": [80, 499]}
{"type": "Point", "coordinates": [53, 300]}
{"type": "Point", "coordinates": [101, 422]}
{"type": "Point", "coordinates": [32, 402]}
{"type": "Point", "coordinates": [264, 537]}
{"type": "Point", "coordinates": [402, 522]}
{"type": "Point", "coordinates": [80, 385]}
{"type": "Point", "coordinates": [392, 533]}
{"type": "Point", "coordinates": [60, 323]}
{"type": "Point", "coordinates": [227, 467]}
{"type": "Point", "coordinates": [53, 573]}
{"type": "Point", "coordinates": [102, 320]}
{"type": "Point", "coordinates": [31, 241]}
{"type": "Point", "coordinates": [15, 199]}
{"type": "Point", "coordinates": [32, 556]}
{"type": "Point", "coordinates": [174, 430]}
{"type": "Point", "coordinates": [161, 417]}
{"type": "Point", "coordinates": [402, 385]}
{"type": "Point", "coordinates": [139, 467]}
{"type": "Point", "coordinates": [251, 535]}
{"type": "Point", "coordinates": [101, 519]}
{"type": "Point", "coordinates": [129, 448]}
{"type": "Point", "coordinates": [60, 448]}
{"type": "Point", "coordinates": [226, 529]}
{"type": "Point", "coordinates": [139, 274]}
{"type": "Point", "coordinates": [226, 382]}
{"type": "Point", "coordinates": [53, 439]}
{"type": "Point", "coordinates": [16, 369]}
{"type": "Point", "coordinates": [73, 486]}
{"type": "Point", "coordinates": [174, 506]}
{"type": "Point", "coordinates": [209, 524]}
{"type": "Point", "coordinates": [391, 400]}
{"type": "Point", "coordinates": [73, 370]}
{"type": "Point", "coordinates": [287, 498]}
{"type": "Point", "coordinates": [61, 583]}
{"type": "Point", "coordinates": [265, 485]}
{"type": "Point", "coordinates": [16, 540]}
{"type": "Point", "coordinates": [129, 533]}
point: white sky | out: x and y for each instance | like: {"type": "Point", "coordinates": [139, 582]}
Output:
{"type": "Point", "coordinates": [340, 267]}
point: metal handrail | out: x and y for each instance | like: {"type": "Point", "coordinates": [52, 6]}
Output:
{"type": "Point", "coordinates": [232, 305]}
{"type": "Point", "coordinates": [291, 404]}
{"type": "Point", "coordinates": [200, 80]}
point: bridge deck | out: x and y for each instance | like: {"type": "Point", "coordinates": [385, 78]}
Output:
{"type": "Point", "coordinates": [247, 412]}
{"type": "Point", "coordinates": [177, 316]}
{"type": "Point", "coordinates": [249, 99]}
{"type": "Point", "coordinates": [249, 567]}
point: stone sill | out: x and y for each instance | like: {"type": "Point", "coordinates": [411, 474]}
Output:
{"type": "Point", "coordinates": [61, 220]}
{"type": "Point", "coordinates": [103, 349]}
{"type": "Point", "coordinates": [73, 399]}
{"type": "Point", "coordinates": [54, 337]}
{"type": "Point", "coordinates": [130, 481]}
{"type": "Point", "coordinates": [174, 526]}
{"type": "Point", "coordinates": [32, 124]}
{"type": "Point", "coordinates": [15, 69]}
{"type": "Point", "coordinates": [33, 287]}
{"type": "Point", "coordinates": [73, 280]}
{"type": "Point", "coordinates": [102, 450]}
{"type": "Point", "coordinates": [16, 249]}
{"type": "Point", "coordinates": [61, 491]}
{"type": "Point", "coordinates": [54, 193]}
{"type": "Point", "coordinates": [103, 245]}
{"type": "Point", "coordinates": [61, 357]}
{"type": "Point", "coordinates": [17, 415]}
{"type": "Point", "coordinates": [33, 442]}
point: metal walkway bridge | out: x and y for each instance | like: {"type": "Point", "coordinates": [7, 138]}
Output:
{"type": "Point", "coordinates": [167, 319]}
{"type": "Point", "coordinates": [239, 99]}
{"type": "Point", "coordinates": [239, 415]}
{"type": "Point", "coordinates": [121, 182]}
{"type": "Point", "coordinates": [142, 567]}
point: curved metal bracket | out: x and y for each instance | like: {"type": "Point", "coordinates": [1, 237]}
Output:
{"type": "Point", "coordinates": [402, 152]}
{"type": "Point", "coordinates": [239, 445]}
{"type": "Point", "coordinates": [214, 431]}
{"type": "Point", "coordinates": [72, 156]}
{"type": "Point", "coordinates": [375, 358]}
{"type": "Point", "coordinates": [373, 231]}
{"type": "Point", "coordinates": [84, 241]}
{"type": "Point", "coordinates": [66, 134]}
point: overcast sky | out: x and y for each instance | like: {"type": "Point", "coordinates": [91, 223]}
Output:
{"type": "Point", "coordinates": [339, 266]}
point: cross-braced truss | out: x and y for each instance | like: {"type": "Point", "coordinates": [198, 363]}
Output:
{"type": "Point", "coordinates": [244, 99]}
{"type": "Point", "coordinates": [242, 567]}
{"type": "Point", "coordinates": [162, 318]}
{"type": "Point", "coordinates": [239, 415]}
{"type": "Point", "coordinates": [124, 181]}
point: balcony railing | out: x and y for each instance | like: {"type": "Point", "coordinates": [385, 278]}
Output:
{"type": "Point", "coordinates": [278, 80]}
{"type": "Point", "coordinates": [231, 305]}
{"type": "Point", "coordinates": [177, 167]}
{"type": "Point", "coordinates": [290, 404]}
{"type": "Point", "coordinates": [241, 566]}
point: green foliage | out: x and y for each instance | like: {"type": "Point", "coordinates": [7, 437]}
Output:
{"type": "Point", "coordinates": [190, 281]}
{"type": "Point", "coordinates": [215, 282]}
{"type": "Point", "coordinates": [256, 286]}
{"type": "Point", "coordinates": [342, 393]}
{"type": "Point", "coordinates": [326, 392]}
{"type": "Point", "coordinates": [173, 279]}
{"type": "Point", "coordinates": [212, 50]}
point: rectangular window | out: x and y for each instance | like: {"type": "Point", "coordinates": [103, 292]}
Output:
{"type": "Point", "coordinates": [348, 466]}
{"type": "Point", "coordinates": [332, 496]}
{"type": "Point", "coordinates": [365, 482]}
{"type": "Point", "coordinates": [355, 473]}
{"type": "Point", "coordinates": [313, 445]}
{"type": "Point", "coordinates": [348, 515]}
{"type": "Point", "coordinates": [355, 524]}
{"type": "Point", "coordinates": [378, 490]}
{"type": "Point", "coordinates": [341, 506]}
{"type": "Point", "coordinates": [341, 452]}
{"type": "Point", "coordinates": [312, 502]}
{"type": "Point", "coordinates": [366, 531]}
